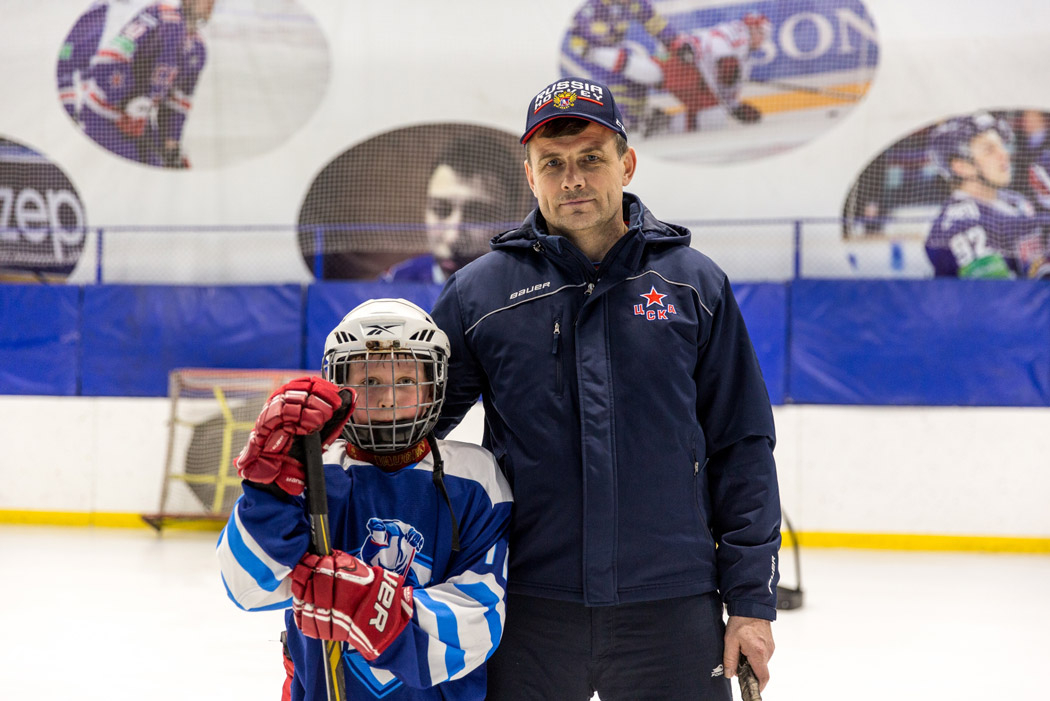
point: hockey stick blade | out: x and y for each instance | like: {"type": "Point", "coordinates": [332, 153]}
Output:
{"type": "Point", "coordinates": [812, 89]}
{"type": "Point", "coordinates": [320, 537]}
{"type": "Point", "coordinates": [748, 681]}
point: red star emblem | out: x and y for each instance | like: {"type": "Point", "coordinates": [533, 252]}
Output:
{"type": "Point", "coordinates": [653, 297]}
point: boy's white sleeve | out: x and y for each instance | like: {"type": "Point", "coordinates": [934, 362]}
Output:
{"type": "Point", "coordinates": [260, 545]}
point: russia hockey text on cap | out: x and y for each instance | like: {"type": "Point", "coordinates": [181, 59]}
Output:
{"type": "Point", "coordinates": [587, 91]}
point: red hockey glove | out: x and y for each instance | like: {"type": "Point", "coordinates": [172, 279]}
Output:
{"type": "Point", "coordinates": [339, 597]}
{"type": "Point", "coordinates": [302, 406]}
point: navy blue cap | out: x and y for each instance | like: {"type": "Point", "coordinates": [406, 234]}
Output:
{"type": "Point", "coordinates": [574, 97]}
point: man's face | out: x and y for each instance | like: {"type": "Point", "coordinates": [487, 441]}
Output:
{"type": "Point", "coordinates": [990, 160]}
{"type": "Point", "coordinates": [388, 388]}
{"type": "Point", "coordinates": [461, 215]}
{"type": "Point", "coordinates": [578, 180]}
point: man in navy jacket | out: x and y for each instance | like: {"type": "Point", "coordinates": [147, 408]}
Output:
{"type": "Point", "coordinates": [624, 402]}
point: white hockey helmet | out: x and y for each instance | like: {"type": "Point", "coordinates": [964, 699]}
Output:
{"type": "Point", "coordinates": [373, 336]}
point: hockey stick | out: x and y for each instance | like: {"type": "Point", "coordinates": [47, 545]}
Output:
{"type": "Point", "coordinates": [796, 87]}
{"type": "Point", "coordinates": [320, 540]}
{"type": "Point", "coordinates": [748, 681]}
{"type": "Point", "coordinates": [787, 597]}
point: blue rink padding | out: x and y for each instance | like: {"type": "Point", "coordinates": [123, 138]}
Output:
{"type": "Point", "coordinates": [869, 342]}
{"type": "Point", "coordinates": [39, 339]}
{"type": "Point", "coordinates": [920, 342]}
{"type": "Point", "coordinates": [764, 307]}
{"type": "Point", "coordinates": [328, 302]}
{"type": "Point", "coordinates": [135, 334]}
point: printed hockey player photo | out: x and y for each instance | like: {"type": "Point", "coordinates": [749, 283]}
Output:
{"type": "Point", "coordinates": [959, 198]}
{"type": "Point", "coordinates": [413, 205]}
{"type": "Point", "coordinates": [765, 77]}
{"type": "Point", "coordinates": [139, 84]}
{"type": "Point", "coordinates": [151, 81]}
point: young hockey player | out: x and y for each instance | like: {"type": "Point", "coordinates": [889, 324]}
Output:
{"type": "Point", "coordinates": [416, 583]}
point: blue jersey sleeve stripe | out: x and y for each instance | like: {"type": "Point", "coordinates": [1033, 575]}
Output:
{"type": "Point", "coordinates": [448, 632]}
{"type": "Point", "coordinates": [489, 599]}
{"type": "Point", "coordinates": [248, 560]}
{"type": "Point", "coordinates": [269, 607]}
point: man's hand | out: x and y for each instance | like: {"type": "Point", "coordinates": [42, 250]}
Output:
{"type": "Point", "coordinates": [302, 406]}
{"type": "Point", "coordinates": [339, 597]}
{"type": "Point", "coordinates": [754, 638]}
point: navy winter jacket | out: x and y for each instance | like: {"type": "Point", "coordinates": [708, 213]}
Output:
{"type": "Point", "coordinates": [627, 409]}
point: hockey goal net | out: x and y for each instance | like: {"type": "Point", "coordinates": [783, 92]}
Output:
{"type": "Point", "coordinates": [212, 413]}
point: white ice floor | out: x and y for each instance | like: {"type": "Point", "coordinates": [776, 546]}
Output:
{"type": "Point", "coordinates": [126, 615]}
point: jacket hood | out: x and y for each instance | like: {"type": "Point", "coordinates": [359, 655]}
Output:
{"type": "Point", "coordinates": [641, 223]}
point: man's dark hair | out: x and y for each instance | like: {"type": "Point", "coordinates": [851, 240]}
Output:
{"type": "Point", "coordinates": [571, 126]}
{"type": "Point", "coordinates": [483, 155]}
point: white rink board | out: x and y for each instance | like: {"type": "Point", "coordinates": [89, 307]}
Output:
{"type": "Point", "coordinates": [926, 471]}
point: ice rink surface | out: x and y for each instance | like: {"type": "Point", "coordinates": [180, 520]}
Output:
{"type": "Point", "coordinates": [92, 613]}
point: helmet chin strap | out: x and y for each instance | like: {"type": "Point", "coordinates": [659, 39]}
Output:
{"type": "Point", "coordinates": [439, 482]}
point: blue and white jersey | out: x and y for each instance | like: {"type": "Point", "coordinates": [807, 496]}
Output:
{"type": "Point", "coordinates": [379, 516]}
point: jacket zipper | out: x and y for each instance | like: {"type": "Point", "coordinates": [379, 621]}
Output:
{"type": "Point", "coordinates": [556, 352]}
{"type": "Point", "coordinates": [696, 490]}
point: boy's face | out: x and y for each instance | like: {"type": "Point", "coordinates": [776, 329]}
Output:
{"type": "Point", "coordinates": [389, 388]}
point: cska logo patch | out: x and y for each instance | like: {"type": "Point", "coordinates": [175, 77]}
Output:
{"type": "Point", "coordinates": [654, 299]}
{"type": "Point", "coordinates": [564, 100]}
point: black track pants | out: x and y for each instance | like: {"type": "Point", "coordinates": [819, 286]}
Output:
{"type": "Point", "coordinates": [657, 650]}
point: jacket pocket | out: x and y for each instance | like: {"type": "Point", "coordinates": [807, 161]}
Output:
{"type": "Point", "coordinates": [701, 496]}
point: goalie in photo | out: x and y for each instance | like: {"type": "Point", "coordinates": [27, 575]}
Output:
{"type": "Point", "coordinates": [415, 585]}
